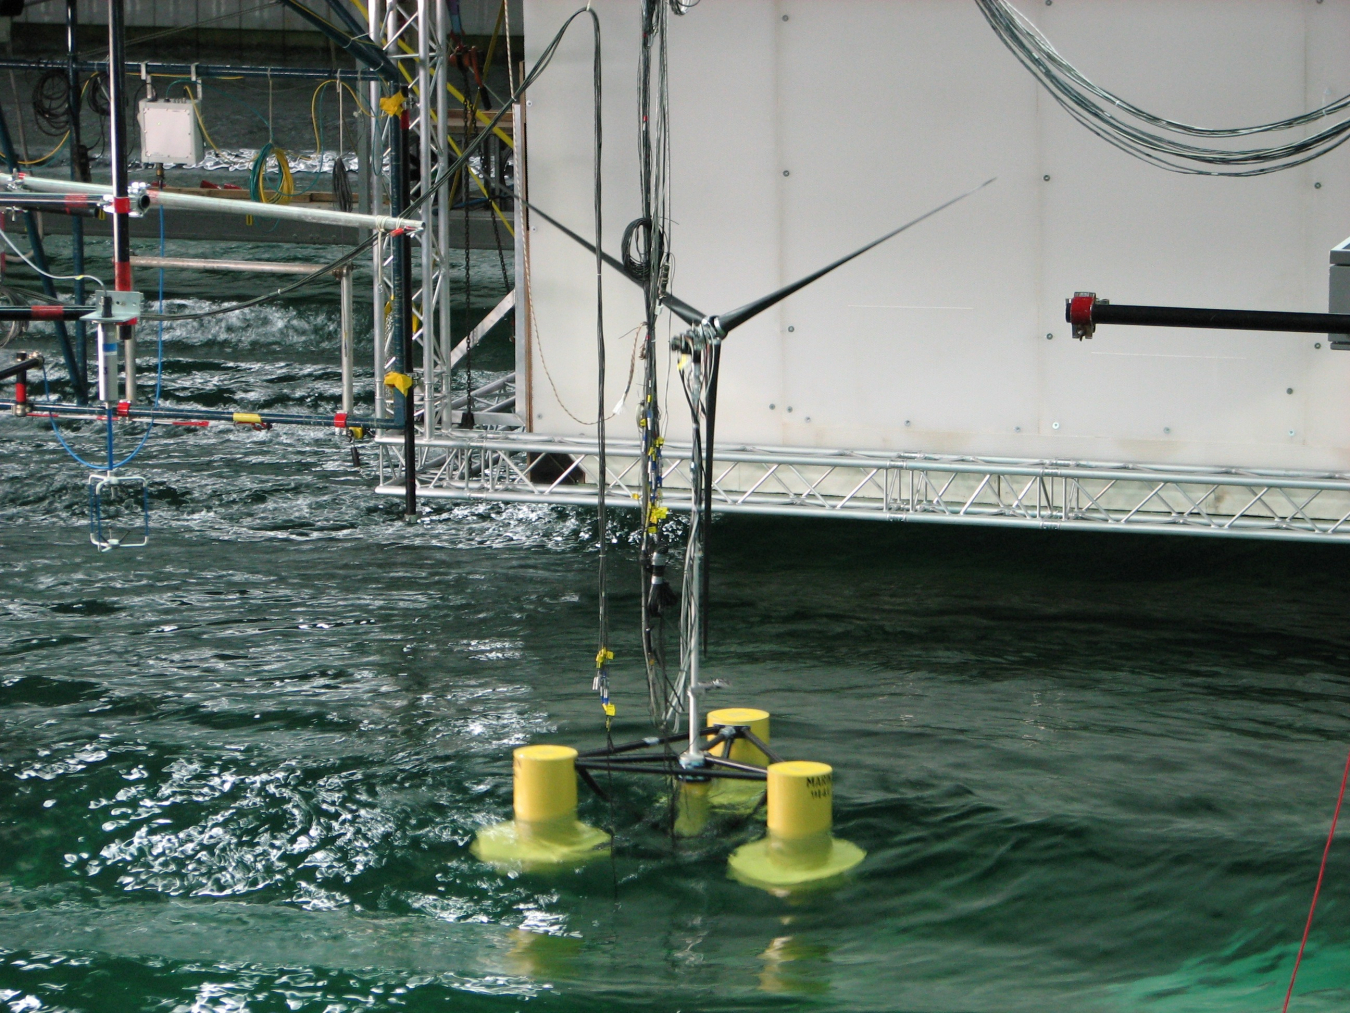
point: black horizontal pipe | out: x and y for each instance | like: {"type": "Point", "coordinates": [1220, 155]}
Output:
{"type": "Point", "coordinates": [672, 770]}
{"type": "Point", "coordinates": [1085, 311]}
{"type": "Point", "coordinates": [1235, 320]}
{"type": "Point", "coordinates": [651, 740]}
{"type": "Point", "coordinates": [733, 764]}
{"type": "Point", "coordinates": [51, 311]}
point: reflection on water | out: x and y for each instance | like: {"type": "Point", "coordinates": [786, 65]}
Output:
{"type": "Point", "coordinates": [542, 956]}
{"type": "Point", "coordinates": [793, 966]}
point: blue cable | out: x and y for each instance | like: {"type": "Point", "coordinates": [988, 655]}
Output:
{"type": "Point", "coordinates": [159, 380]}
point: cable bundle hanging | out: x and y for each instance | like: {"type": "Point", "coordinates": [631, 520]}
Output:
{"type": "Point", "coordinates": [1135, 130]}
{"type": "Point", "coordinates": [646, 259]}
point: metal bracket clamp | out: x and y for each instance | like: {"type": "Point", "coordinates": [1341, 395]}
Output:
{"type": "Point", "coordinates": [116, 308]}
{"type": "Point", "coordinates": [1078, 312]}
{"type": "Point", "coordinates": [708, 331]}
{"type": "Point", "coordinates": [136, 203]}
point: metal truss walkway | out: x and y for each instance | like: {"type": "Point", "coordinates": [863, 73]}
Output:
{"type": "Point", "coordinates": [1003, 492]}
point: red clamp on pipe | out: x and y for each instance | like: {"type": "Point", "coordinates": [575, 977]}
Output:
{"type": "Point", "coordinates": [121, 205]}
{"type": "Point", "coordinates": [48, 312]}
{"type": "Point", "coordinates": [399, 232]}
{"type": "Point", "coordinates": [124, 409]}
{"type": "Point", "coordinates": [340, 420]}
{"type": "Point", "coordinates": [1078, 311]}
{"type": "Point", "coordinates": [122, 276]}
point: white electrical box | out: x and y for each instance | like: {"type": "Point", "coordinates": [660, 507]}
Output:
{"type": "Point", "coordinates": [169, 132]}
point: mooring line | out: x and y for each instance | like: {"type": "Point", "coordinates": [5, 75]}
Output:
{"type": "Point", "coordinates": [1317, 889]}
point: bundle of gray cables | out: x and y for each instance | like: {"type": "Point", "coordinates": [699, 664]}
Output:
{"type": "Point", "coordinates": [1145, 135]}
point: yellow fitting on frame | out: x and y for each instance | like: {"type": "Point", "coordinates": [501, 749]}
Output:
{"type": "Point", "coordinates": [247, 419]}
{"type": "Point", "coordinates": [402, 381]}
{"type": "Point", "coordinates": [753, 718]}
{"type": "Point", "coordinates": [545, 781]}
{"type": "Point", "coordinates": [801, 799]}
{"type": "Point", "coordinates": [603, 655]}
{"type": "Point", "coordinates": [393, 104]}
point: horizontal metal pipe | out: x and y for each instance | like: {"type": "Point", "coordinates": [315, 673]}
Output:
{"type": "Point", "coordinates": [257, 209]}
{"type": "Point", "coordinates": [250, 266]}
{"type": "Point", "coordinates": [187, 70]}
{"type": "Point", "coordinates": [1220, 319]}
{"type": "Point", "coordinates": [52, 311]}
{"type": "Point", "coordinates": [210, 415]}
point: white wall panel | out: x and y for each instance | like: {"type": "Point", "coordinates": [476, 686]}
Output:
{"type": "Point", "coordinates": [880, 109]}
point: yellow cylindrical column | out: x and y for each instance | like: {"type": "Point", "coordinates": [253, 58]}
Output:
{"type": "Point", "coordinates": [545, 780]}
{"type": "Point", "coordinates": [546, 832]}
{"type": "Point", "coordinates": [801, 799]}
{"type": "Point", "coordinates": [798, 851]}
{"type": "Point", "coordinates": [742, 751]}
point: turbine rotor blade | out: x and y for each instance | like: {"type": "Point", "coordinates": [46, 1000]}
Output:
{"type": "Point", "coordinates": [734, 319]}
{"type": "Point", "coordinates": [676, 305]}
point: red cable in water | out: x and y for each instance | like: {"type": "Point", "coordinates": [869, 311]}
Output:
{"type": "Point", "coordinates": [1317, 889]}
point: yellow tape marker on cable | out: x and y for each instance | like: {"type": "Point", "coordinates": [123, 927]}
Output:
{"type": "Point", "coordinates": [247, 418]}
{"type": "Point", "coordinates": [401, 381]}
{"type": "Point", "coordinates": [392, 104]}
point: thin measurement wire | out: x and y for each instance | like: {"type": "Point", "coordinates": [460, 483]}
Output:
{"type": "Point", "coordinates": [602, 479]}
{"type": "Point", "coordinates": [47, 274]}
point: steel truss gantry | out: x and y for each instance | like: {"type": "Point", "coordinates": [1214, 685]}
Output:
{"type": "Point", "coordinates": [416, 37]}
{"type": "Point", "coordinates": [1004, 492]}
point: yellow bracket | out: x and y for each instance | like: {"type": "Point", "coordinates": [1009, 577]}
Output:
{"type": "Point", "coordinates": [402, 381]}
{"type": "Point", "coordinates": [393, 104]}
{"type": "Point", "coordinates": [603, 655]}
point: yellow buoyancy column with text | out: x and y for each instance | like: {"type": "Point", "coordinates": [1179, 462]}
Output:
{"type": "Point", "coordinates": [546, 832]}
{"type": "Point", "coordinates": [799, 850]}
